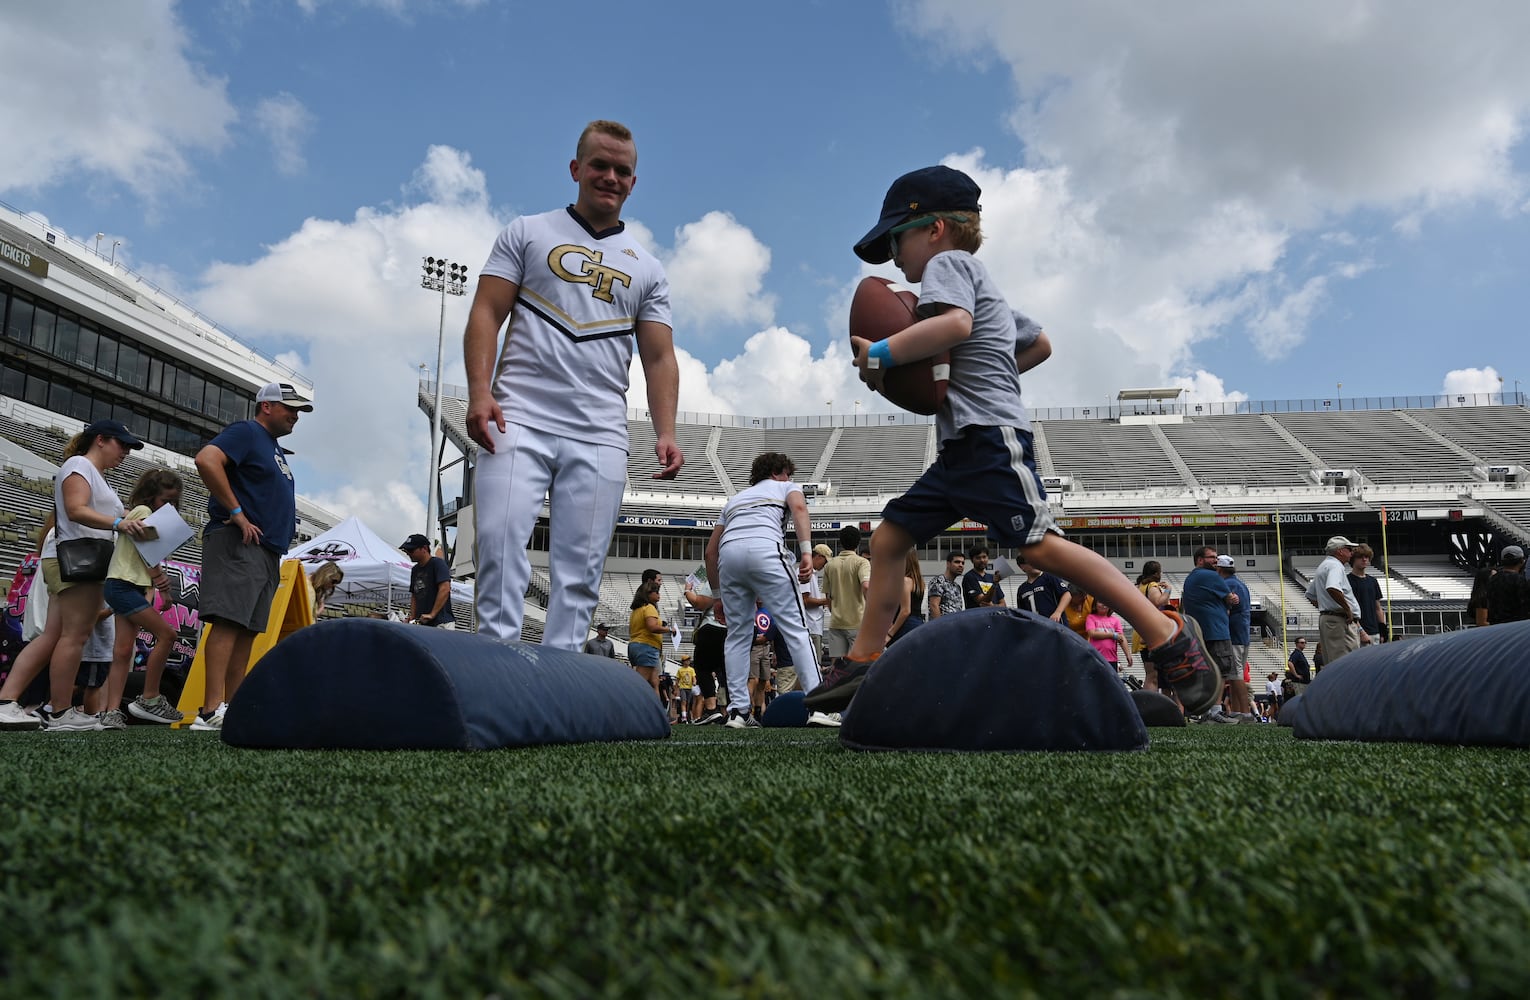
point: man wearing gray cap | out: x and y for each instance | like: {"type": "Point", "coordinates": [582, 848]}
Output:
{"type": "Point", "coordinates": [1508, 592]}
{"type": "Point", "coordinates": [1338, 611]}
{"type": "Point", "coordinates": [251, 518]}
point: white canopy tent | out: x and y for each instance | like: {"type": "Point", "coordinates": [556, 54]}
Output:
{"type": "Point", "coordinates": [375, 571]}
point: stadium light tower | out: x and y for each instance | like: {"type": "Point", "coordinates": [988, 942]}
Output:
{"type": "Point", "coordinates": [439, 275]}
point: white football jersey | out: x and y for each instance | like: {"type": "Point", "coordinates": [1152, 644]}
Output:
{"type": "Point", "coordinates": [759, 511]}
{"type": "Point", "coordinates": [563, 368]}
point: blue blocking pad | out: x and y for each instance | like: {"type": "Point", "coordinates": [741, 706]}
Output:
{"type": "Point", "coordinates": [1466, 688]}
{"type": "Point", "coordinates": [992, 679]}
{"type": "Point", "coordinates": [786, 712]}
{"type": "Point", "coordinates": [1157, 709]}
{"type": "Point", "coordinates": [365, 684]}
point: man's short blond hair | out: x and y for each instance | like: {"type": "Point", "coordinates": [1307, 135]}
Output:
{"type": "Point", "coordinates": [615, 130]}
{"type": "Point", "coordinates": [966, 229]}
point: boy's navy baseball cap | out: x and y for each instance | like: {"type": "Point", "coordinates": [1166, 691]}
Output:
{"type": "Point", "coordinates": [928, 189]}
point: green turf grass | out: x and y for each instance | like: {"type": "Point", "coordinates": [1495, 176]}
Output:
{"type": "Point", "coordinates": [1224, 861]}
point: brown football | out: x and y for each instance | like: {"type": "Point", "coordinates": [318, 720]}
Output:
{"type": "Point", "coordinates": [880, 309]}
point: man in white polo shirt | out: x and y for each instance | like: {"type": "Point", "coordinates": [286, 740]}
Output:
{"type": "Point", "coordinates": [1338, 611]}
{"type": "Point", "coordinates": [549, 410]}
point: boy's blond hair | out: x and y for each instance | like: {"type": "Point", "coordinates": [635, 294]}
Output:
{"type": "Point", "coordinates": [965, 229]}
{"type": "Point", "coordinates": [615, 130]}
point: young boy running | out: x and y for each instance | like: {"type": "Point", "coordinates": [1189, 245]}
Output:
{"type": "Point", "coordinates": [986, 469]}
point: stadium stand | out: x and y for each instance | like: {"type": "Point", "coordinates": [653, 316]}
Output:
{"type": "Point", "coordinates": [1105, 456]}
{"type": "Point", "coordinates": [1244, 466]}
{"type": "Point", "coordinates": [1495, 434]}
{"type": "Point", "coordinates": [1383, 446]}
{"type": "Point", "coordinates": [875, 461]}
{"type": "Point", "coordinates": [697, 476]}
{"type": "Point", "coordinates": [1238, 450]}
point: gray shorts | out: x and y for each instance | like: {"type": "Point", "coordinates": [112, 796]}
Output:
{"type": "Point", "coordinates": [238, 580]}
{"type": "Point", "coordinates": [1221, 650]}
{"type": "Point", "coordinates": [761, 658]}
{"type": "Point", "coordinates": [839, 641]}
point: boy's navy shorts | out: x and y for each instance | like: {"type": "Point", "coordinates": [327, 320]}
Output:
{"type": "Point", "coordinates": [989, 475]}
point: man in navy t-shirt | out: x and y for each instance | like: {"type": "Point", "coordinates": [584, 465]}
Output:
{"type": "Point", "coordinates": [430, 585]}
{"type": "Point", "coordinates": [251, 518]}
{"type": "Point", "coordinates": [980, 588]}
{"type": "Point", "coordinates": [1042, 593]}
{"type": "Point", "coordinates": [1207, 598]}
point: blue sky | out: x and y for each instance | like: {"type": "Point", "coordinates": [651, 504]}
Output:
{"type": "Point", "coordinates": [1251, 201]}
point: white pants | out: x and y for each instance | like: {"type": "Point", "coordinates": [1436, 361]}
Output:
{"type": "Point", "coordinates": [583, 483]}
{"type": "Point", "coordinates": [751, 569]}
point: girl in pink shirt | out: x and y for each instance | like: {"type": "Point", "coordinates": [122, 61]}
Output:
{"type": "Point", "coordinates": [1103, 630]}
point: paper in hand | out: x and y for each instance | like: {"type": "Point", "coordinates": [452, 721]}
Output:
{"type": "Point", "coordinates": [170, 532]}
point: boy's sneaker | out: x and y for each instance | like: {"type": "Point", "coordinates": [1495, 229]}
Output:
{"type": "Point", "coordinates": [113, 719]}
{"type": "Point", "coordinates": [841, 679]}
{"type": "Point", "coordinates": [158, 709]}
{"type": "Point", "coordinates": [71, 720]}
{"type": "Point", "coordinates": [826, 719]}
{"type": "Point", "coordinates": [740, 720]}
{"type": "Point", "coordinates": [205, 723]}
{"type": "Point", "coordinates": [14, 717]}
{"type": "Point", "coordinates": [713, 718]}
{"type": "Point", "coordinates": [1184, 666]}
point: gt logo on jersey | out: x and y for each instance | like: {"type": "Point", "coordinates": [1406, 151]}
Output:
{"type": "Point", "coordinates": [588, 270]}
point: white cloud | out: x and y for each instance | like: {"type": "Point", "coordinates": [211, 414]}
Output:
{"type": "Point", "coordinates": [717, 273]}
{"type": "Point", "coordinates": [1174, 153]}
{"type": "Point", "coordinates": [1476, 384]}
{"type": "Point", "coordinates": [286, 123]}
{"type": "Point", "coordinates": [1282, 325]}
{"type": "Point", "coordinates": [346, 296]}
{"type": "Point", "coordinates": [1203, 387]}
{"type": "Point", "coordinates": [105, 88]}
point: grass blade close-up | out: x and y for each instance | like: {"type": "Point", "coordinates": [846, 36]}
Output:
{"type": "Point", "coordinates": [1222, 861]}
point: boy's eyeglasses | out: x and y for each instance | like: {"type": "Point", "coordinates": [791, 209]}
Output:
{"type": "Point", "coordinates": [903, 227]}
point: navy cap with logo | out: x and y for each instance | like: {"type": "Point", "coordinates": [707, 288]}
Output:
{"type": "Point", "coordinates": [284, 393]}
{"type": "Point", "coordinates": [919, 192]}
{"type": "Point", "coordinates": [114, 429]}
{"type": "Point", "coordinates": [415, 541]}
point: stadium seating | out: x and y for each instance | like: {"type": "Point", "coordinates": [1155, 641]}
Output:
{"type": "Point", "coordinates": [1238, 449]}
{"type": "Point", "coordinates": [1498, 435]}
{"type": "Point", "coordinates": [875, 461]}
{"type": "Point", "coordinates": [1383, 446]}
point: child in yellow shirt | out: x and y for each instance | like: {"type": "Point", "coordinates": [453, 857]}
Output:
{"type": "Point", "coordinates": [128, 581]}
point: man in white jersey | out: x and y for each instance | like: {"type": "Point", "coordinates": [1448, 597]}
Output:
{"type": "Point", "coordinates": [550, 414]}
{"type": "Point", "coordinates": [747, 555]}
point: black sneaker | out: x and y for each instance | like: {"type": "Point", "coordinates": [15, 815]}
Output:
{"type": "Point", "coordinates": [1185, 668]}
{"type": "Point", "coordinates": [841, 679]}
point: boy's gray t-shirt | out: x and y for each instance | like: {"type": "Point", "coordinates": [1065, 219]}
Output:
{"type": "Point", "coordinates": [985, 383]}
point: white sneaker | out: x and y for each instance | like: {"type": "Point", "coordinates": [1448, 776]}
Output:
{"type": "Point", "coordinates": [14, 717]}
{"type": "Point", "coordinates": [740, 721]}
{"type": "Point", "coordinates": [71, 721]}
{"type": "Point", "coordinates": [828, 719]}
{"type": "Point", "coordinates": [212, 723]}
